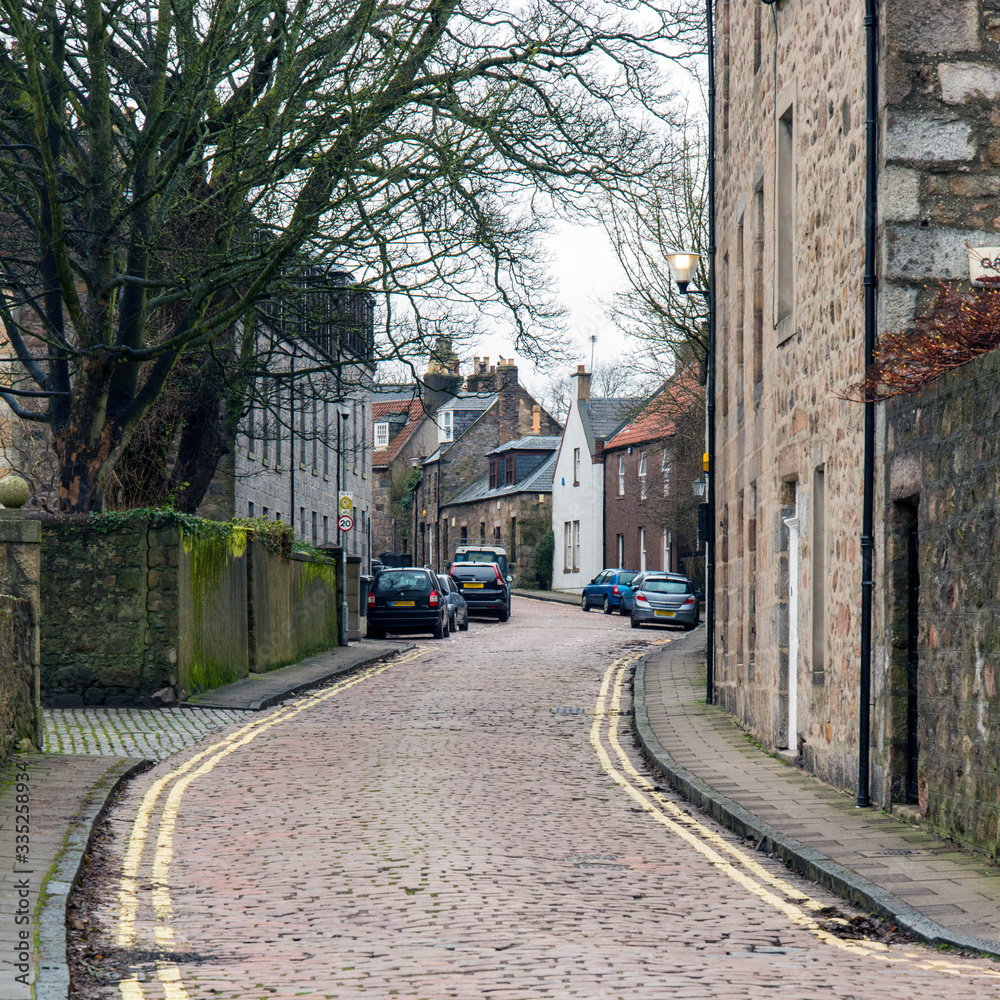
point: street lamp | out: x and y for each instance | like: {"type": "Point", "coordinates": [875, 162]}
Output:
{"type": "Point", "coordinates": [682, 265]}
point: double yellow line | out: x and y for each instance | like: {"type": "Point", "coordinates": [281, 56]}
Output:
{"type": "Point", "coordinates": [793, 903]}
{"type": "Point", "coordinates": [181, 777]}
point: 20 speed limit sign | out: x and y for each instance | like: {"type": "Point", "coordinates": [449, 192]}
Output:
{"type": "Point", "coordinates": [346, 522]}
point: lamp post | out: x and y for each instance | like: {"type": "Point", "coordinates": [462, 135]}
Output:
{"type": "Point", "coordinates": [343, 412]}
{"type": "Point", "coordinates": [682, 266]}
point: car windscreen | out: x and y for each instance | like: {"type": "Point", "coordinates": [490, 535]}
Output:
{"type": "Point", "coordinates": [665, 587]}
{"type": "Point", "coordinates": [390, 583]}
{"type": "Point", "coordinates": [473, 572]}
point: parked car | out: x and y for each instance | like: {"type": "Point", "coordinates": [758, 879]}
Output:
{"type": "Point", "coordinates": [484, 552]}
{"type": "Point", "coordinates": [458, 610]}
{"type": "Point", "coordinates": [627, 590]}
{"type": "Point", "coordinates": [484, 587]}
{"type": "Point", "coordinates": [604, 590]}
{"type": "Point", "coordinates": [665, 599]}
{"type": "Point", "coordinates": [406, 599]}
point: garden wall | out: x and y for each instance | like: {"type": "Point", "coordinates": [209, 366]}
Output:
{"type": "Point", "coordinates": [133, 609]}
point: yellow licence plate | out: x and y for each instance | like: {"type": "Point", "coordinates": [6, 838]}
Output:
{"type": "Point", "coordinates": [403, 604]}
{"type": "Point", "coordinates": [665, 614]}
{"type": "Point", "coordinates": [469, 586]}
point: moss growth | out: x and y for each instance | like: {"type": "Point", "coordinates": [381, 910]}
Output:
{"type": "Point", "coordinates": [205, 674]}
{"type": "Point", "coordinates": [312, 572]}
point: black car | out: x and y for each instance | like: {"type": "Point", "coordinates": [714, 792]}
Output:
{"type": "Point", "coordinates": [406, 599]}
{"type": "Point", "coordinates": [484, 587]}
{"type": "Point", "coordinates": [458, 610]}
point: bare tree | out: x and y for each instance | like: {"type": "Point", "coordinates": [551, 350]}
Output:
{"type": "Point", "coordinates": [668, 211]}
{"type": "Point", "coordinates": [164, 169]}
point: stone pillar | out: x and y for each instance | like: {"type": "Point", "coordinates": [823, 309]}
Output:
{"type": "Point", "coordinates": [20, 577]}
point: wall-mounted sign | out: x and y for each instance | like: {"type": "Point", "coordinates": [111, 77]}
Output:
{"type": "Point", "coordinates": [984, 267]}
{"type": "Point", "coordinates": [345, 502]}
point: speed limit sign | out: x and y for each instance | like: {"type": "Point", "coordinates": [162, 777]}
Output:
{"type": "Point", "coordinates": [346, 522]}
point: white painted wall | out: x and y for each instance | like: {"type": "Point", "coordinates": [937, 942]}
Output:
{"type": "Point", "coordinates": [583, 503]}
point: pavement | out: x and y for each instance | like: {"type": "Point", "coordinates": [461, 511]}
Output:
{"type": "Point", "coordinates": [927, 886]}
{"type": "Point", "coordinates": [924, 885]}
{"type": "Point", "coordinates": [51, 803]}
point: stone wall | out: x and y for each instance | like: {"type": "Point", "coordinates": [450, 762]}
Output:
{"type": "Point", "coordinates": [141, 610]}
{"type": "Point", "coordinates": [18, 696]}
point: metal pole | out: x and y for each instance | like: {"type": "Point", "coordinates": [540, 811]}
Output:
{"type": "Point", "coordinates": [343, 548]}
{"type": "Point", "coordinates": [710, 382]}
{"type": "Point", "coordinates": [868, 500]}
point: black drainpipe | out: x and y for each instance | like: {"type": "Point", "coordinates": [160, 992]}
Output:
{"type": "Point", "coordinates": [868, 511]}
{"type": "Point", "coordinates": [710, 381]}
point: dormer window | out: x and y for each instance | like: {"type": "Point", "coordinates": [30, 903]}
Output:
{"type": "Point", "coordinates": [446, 425]}
{"type": "Point", "coordinates": [382, 435]}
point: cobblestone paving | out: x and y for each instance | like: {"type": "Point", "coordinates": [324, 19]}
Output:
{"type": "Point", "coordinates": [444, 828]}
{"type": "Point", "coordinates": [132, 732]}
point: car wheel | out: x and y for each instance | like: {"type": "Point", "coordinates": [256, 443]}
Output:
{"type": "Point", "coordinates": [452, 622]}
{"type": "Point", "coordinates": [607, 605]}
{"type": "Point", "coordinates": [440, 629]}
{"type": "Point", "coordinates": [622, 610]}
{"type": "Point", "coordinates": [465, 624]}
{"type": "Point", "coordinates": [635, 624]}
{"type": "Point", "coordinates": [375, 633]}
{"type": "Point", "coordinates": [584, 604]}
{"type": "Point", "coordinates": [502, 616]}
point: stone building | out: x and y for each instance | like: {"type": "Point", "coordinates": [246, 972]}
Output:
{"type": "Point", "coordinates": [492, 410]}
{"type": "Point", "coordinates": [791, 206]}
{"type": "Point", "coordinates": [510, 504]}
{"type": "Point", "coordinates": [650, 510]}
{"type": "Point", "coordinates": [309, 436]}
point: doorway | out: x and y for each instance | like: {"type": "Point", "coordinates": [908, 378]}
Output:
{"type": "Point", "coordinates": [912, 658]}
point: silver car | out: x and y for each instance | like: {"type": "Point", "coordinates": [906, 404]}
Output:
{"type": "Point", "coordinates": [665, 599]}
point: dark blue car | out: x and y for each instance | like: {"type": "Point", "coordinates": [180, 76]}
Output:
{"type": "Point", "coordinates": [605, 590]}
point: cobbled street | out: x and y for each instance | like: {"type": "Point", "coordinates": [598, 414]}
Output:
{"type": "Point", "coordinates": [470, 820]}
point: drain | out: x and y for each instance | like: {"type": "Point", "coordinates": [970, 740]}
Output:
{"type": "Point", "coordinates": [566, 710]}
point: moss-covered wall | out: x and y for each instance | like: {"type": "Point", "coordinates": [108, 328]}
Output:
{"type": "Point", "coordinates": [213, 646]}
{"type": "Point", "coordinates": [93, 614]}
{"type": "Point", "coordinates": [293, 606]}
{"type": "Point", "coordinates": [17, 674]}
{"type": "Point", "coordinates": [133, 609]}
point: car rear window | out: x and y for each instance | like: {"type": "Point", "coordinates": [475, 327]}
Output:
{"type": "Point", "coordinates": [397, 580]}
{"type": "Point", "coordinates": [626, 577]}
{"type": "Point", "coordinates": [665, 587]}
{"type": "Point", "coordinates": [470, 571]}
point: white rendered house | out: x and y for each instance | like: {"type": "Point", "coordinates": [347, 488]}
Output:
{"type": "Point", "coordinates": [578, 486]}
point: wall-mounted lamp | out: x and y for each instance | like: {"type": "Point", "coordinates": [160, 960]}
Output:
{"type": "Point", "coordinates": [682, 265]}
{"type": "Point", "coordinates": [699, 487]}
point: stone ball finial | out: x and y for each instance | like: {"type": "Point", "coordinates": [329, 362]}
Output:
{"type": "Point", "coordinates": [14, 492]}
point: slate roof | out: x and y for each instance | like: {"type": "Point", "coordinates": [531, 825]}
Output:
{"type": "Point", "coordinates": [532, 442]}
{"type": "Point", "coordinates": [468, 401]}
{"type": "Point", "coordinates": [381, 411]}
{"type": "Point", "coordinates": [602, 418]}
{"type": "Point", "coordinates": [538, 481]}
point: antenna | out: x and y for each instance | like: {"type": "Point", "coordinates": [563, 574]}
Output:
{"type": "Point", "coordinates": [593, 344]}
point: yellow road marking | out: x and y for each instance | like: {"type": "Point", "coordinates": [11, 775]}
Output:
{"type": "Point", "coordinates": [168, 972]}
{"type": "Point", "coordinates": [709, 844]}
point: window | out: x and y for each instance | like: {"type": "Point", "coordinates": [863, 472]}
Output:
{"type": "Point", "coordinates": [364, 438]}
{"type": "Point", "coordinates": [463, 535]}
{"type": "Point", "coordinates": [576, 466]}
{"type": "Point", "coordinates": [264, 512]}
{"type": "Point", "coordinates": [621, 551]}
{"type": "Point", "coordinates": [785, 242]}
{"type": "Point", "coordinates": [508, 476]}
{"type": "Point", "coordinates": [482, 531]}
{"type": "Point", "coordinates": [381, 436]}
{"type": "Point", "coordinates": [250, 509]}
{"type": "Point", "coordinates": [265, 424]}
{"type": "Point", "coordinates": [302, 522]}
{"type": "Point", "coordinates": [665, 471]}
{"type": "Point", "coordinates": [512, 547]}
{"type": "Point", "coordinates": [567, 546]}
{"type": "Point", "coordinates": [642, 475]}
{"type": "Point", "coordinates": [326, 438]}
{"type": "Point", "coordinates": [277, 515]}
{"type": "Point", "coordinates": [251, 429]}
{"type": "Point", "coordinates": [494, 473]}
{"type": "Point", "coordinates": [315, 435]}
{"type": "Point", "coordinates": [642, 550]}
{"type": "Point", "coordinates": [326, 530]}
{"type": "Point", "coordinates": [621, 477]}
{"type": "Point", "coordinates": [576, 546]}
{"type": "Point", "coordinates": [446, 425]}
{"type": "Point", "coordinates": [315, 531]}
{"type": "Point", "coordinates": [303, 434]}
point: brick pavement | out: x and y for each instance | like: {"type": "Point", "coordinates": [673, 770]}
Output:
{"type": "Point", "coordinates": [943, 893]}
{"type": "Point", "coordinates": [444, 828]}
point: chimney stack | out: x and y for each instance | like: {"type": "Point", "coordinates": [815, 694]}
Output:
{"type": "Point", "coordinates": [583, 383]}
{"type": "Point", "coordinates": [507, 391]}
